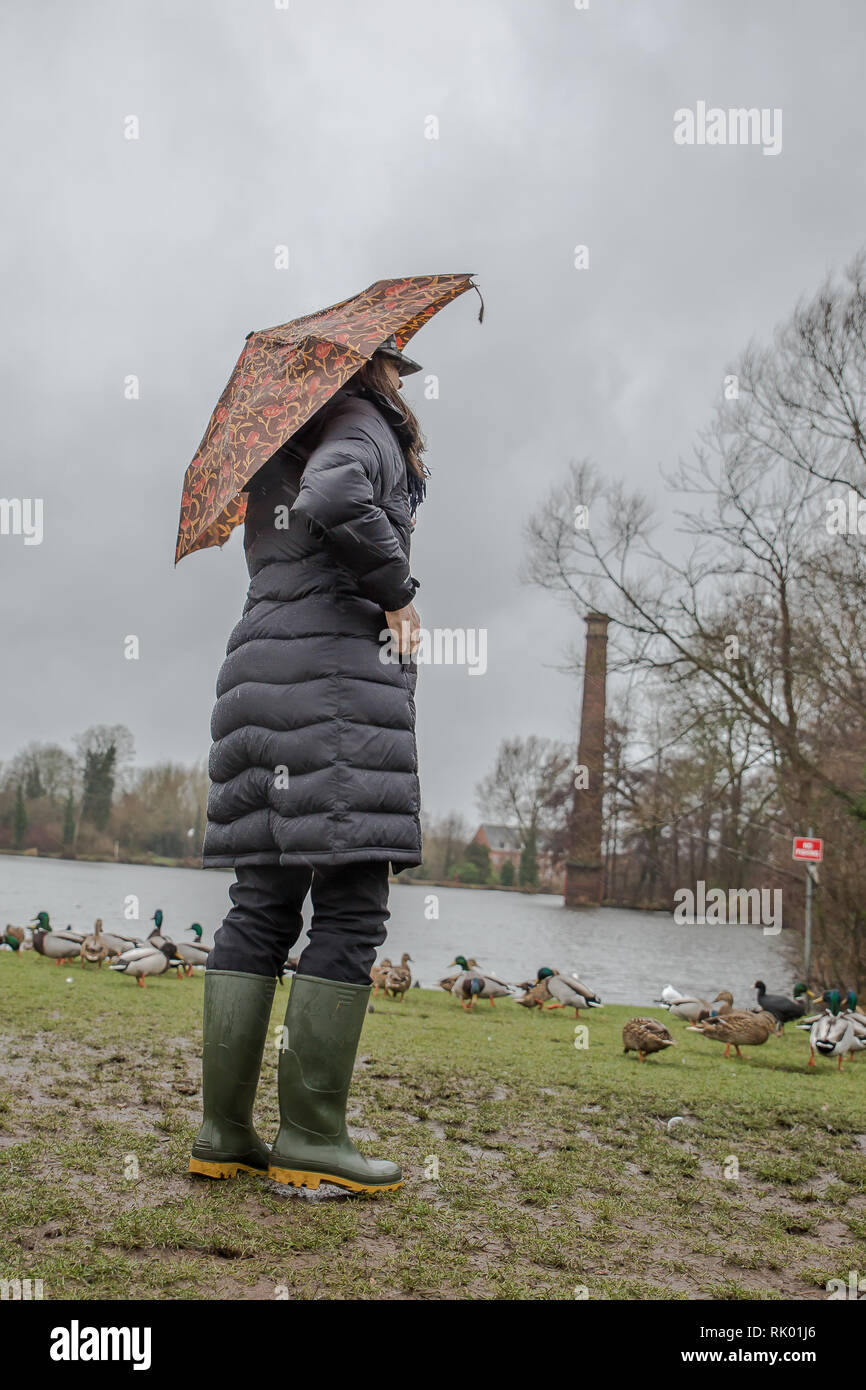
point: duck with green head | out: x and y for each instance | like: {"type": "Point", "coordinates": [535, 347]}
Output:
{"type": "Point", "coordinates": [472, 984]}
{"type": "Point", "coordinates": [568, 991]}
{"type": "Point", "coordinates": [158, 937]}
{"type": "Point", "coordinates": [832, 1035]}
{"type": "Point", "coordinates": [194, 952]}
{"type": "Point", "coordinates": [57, 946]}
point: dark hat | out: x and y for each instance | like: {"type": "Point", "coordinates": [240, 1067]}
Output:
{"type": "Point", "coordinates": [405, 365]}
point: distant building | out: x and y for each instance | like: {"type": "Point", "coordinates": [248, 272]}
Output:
{"type": "Point", "coordinates": [503, 843]}
{"type": "Point", "coordinates": [505, 846]}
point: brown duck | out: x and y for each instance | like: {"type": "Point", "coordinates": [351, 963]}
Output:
{"type": "Point", "coordinates": [536, 995]}
{"type": "Point", "coordinates": [645, 1035]}
{"type": "Point", "coordinates": [398, 979]}
{"type": "Point", "coordinates": [379, 974]}
{"type": "Point", "coordinates": [721, 1005]}
{"type": "Point", "coordinates": [737, 1029]}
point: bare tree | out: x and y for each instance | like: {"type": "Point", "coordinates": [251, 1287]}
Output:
{"type": "Point", "coordinates": [526, 786]}
{"type": "Point", "coordinates": [741, 608]}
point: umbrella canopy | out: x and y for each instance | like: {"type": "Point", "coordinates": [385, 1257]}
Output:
{"type": "Point", "coordinates": [282, 377]}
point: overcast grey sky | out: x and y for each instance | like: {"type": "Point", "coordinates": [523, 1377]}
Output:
{"type": "Point", "coordinates": [305, 126]}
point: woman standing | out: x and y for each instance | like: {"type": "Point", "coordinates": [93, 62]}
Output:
{"type": "Point", "coordinates": [314, 778]}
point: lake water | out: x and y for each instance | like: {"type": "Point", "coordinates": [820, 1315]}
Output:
{"type": "Point", "coordinates": [627, 957]}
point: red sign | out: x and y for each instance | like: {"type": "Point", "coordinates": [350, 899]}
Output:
{"type": "Point", "coordinates": [808, 849]}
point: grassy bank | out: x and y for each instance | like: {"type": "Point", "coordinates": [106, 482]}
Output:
{"type": "Point", "coordinates": [556, 1167]}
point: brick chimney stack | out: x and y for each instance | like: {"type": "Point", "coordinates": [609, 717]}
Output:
{"type": "Point", "coordinates": [584, 868]}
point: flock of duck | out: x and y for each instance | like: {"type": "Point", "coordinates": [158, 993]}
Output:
{"type": "Point", "coordinates": [126, 954]}
{"type": "Point", "coordinates": [836, 1029]}
{"type": "Point", "coordinates": [835, 1026]}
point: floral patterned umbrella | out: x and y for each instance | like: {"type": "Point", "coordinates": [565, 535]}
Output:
{"type": "Point", "coordinates": [281, 378]}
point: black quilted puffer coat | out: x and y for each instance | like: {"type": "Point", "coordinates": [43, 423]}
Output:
{"type": "Point", "coordinates": [314, 758]}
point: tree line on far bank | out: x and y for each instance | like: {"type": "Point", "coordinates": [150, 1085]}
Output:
{"type": "Point", "coordinates": [90, 801]}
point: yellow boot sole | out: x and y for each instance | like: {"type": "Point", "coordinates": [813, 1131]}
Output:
{"type": "Point", "coordinates": [204, 1169]}
{"type": "Point", "coordinates": [300, 1178]}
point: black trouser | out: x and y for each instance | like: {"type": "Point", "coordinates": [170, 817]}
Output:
{"type": "Point", "coordinates": [350, 909]}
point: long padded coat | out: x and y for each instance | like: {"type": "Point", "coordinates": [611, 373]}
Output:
{"type": "Point", "coordinates": [314, 759]}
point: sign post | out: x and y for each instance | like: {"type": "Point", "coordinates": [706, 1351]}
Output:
{"type": "Point", "coordinates": [812, 851]}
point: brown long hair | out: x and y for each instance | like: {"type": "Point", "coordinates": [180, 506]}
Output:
{"type": "Point", "coordinates": [374, 376]}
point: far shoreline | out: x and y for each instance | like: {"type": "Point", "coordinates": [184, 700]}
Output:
{"type": "Point", "coordinates": [166, 862]}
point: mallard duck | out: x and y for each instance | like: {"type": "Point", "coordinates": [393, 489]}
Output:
{"type": "Point", "coordinates": [738, 1029]}
{"type": "Point", "coordinates": [398, 979]}
{"type": "Point", "coordinates": [116, 943]}
{"type": "Point", "coordinates": [472, 964]}
{"type": "Point", "coordinates": [95, 949]}
{"type": "Point", "coordinates": [145, 960]}
{"type": "Point", "coordinates": [535, 995]}
{"type": "Point", "coordinates": [471, 985]}
{"type": "Point", "coordinates": [645, 1035]}
{"type": "Point", "coordinates": [15, 938]}
{"type": "Point", "coordinates": [858, 1019]}
{"type": "Point", "coordinates": [721, 1005]}
{"type": "Point", "coordinates": [56, 945]}
{"type": "Point", "coordinates": [833, 1033]}
{"type": "Point", "coordinates": [688, 1006]}
{"type": "Point", "coordinates": [491, 986]}
{"type": "Point", "coordinates": [567, 991]}
{"type": "Point", "coordinates": [157, 937]}
{"type": "Point", "coordinates": [379, 974]}
{"type": "Point", "coordinates": [784, 1009]}
{"type": "Point", "coordinates": [193, 953]}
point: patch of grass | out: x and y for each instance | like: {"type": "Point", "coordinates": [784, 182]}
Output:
{"type": "Point", "coordinates": [534, 1169]}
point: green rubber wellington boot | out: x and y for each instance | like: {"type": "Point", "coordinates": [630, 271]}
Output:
{"type": "Point", "coordinates": [237, 1011]}
{"type": "Point", "coordinates": [323, 1028]}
